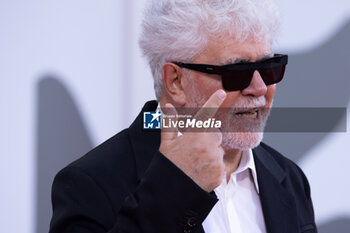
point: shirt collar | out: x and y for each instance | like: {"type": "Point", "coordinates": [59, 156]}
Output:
{"type": "Point", "coordinates": [247, 161]}
{"type": "Point", "coordinates": [251, 165]}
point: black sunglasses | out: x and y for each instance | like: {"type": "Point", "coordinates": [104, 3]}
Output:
{"type": "Point", "coordinates": [238, 76]}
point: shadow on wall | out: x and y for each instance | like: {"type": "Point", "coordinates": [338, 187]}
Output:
{"type": "Point", "coordinates": [319, 78]}
{"type": "Point", "coordinates": [62, 138]}
{"type": "Point", "coordinates": [341, 225]}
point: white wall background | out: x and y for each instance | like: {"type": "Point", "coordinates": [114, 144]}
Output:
{"type": "Point", "coordinates": [92, 48]}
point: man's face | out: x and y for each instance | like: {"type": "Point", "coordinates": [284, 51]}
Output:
{"type": "Point", "coordinates": [240, 131]}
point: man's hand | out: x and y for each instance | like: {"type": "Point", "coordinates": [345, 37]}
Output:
{"type": "Point", "coordinates": [198, 155]}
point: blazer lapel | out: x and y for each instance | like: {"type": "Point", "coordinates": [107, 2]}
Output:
{"type": "Point", "coordinates": [277, 203]}
{"type": "Point", "coordinates": [144, 142]}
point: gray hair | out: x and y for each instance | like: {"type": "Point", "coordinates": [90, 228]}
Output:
{"type": "Point", "coordinates": [178, 30]}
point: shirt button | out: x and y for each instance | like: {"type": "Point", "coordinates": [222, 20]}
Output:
{"type": "Point", "coordinates": [191, 222]}
{"type": "Point", "coordinates": [187, 229]}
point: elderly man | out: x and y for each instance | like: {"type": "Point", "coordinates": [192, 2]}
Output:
{"type": "Point", "coordinates": [206, 54]}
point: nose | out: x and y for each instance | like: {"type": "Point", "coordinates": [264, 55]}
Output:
{"type": "Point", "coordinates": [256, 87]}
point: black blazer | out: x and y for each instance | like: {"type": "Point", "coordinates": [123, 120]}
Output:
{"type": "Point", "coordinates": [127, 185]}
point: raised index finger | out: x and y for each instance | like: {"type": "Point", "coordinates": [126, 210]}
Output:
{"type": "Point", "coordinates": [209, 109]}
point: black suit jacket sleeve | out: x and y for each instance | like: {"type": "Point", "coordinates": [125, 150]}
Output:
{"type": "Point", "coordinates": [166, 200]}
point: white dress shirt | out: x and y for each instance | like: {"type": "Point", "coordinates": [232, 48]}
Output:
{"type": "Point", "coordinates": [238, 209]}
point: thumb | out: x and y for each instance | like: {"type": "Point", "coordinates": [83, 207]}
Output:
{"type": "Point", "coordinates": [171, 131]}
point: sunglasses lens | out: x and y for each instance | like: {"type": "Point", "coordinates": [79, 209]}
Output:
{"type": "Point", "coordinates": [272, 75]}
{"type": "Point", "coordinates": [234, 80]}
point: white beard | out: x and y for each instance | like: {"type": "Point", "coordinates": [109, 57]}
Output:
{"type": "Point", "coordinates": [247, 137]}
{"type": "Point", "coordinates": [241, 140]}
{"type": "Point", "coordinates": [244, 136]}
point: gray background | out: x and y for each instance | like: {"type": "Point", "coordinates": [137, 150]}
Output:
{"type": "Point", "coordinates": [72, 76]}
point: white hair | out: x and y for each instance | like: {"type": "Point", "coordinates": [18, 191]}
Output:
{"type": "Point", "coordinates": [178, 30]}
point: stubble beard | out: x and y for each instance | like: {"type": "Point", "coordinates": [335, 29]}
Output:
{"type": "Point", "coordinates": [241, 140]}
{"type": "Point", "coordinates": [241, 137]}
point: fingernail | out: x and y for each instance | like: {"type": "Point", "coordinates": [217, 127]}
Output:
{"type": "Point", "coordinates": [221, 94]}
{"type": "Point", "coordinates": [168, 105]}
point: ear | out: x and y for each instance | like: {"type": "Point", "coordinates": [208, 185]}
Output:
{"type": "Point", "coordinates": [172, 77]}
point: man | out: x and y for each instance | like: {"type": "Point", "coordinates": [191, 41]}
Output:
{"type": "Point", "coordinates": [171, 181]}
